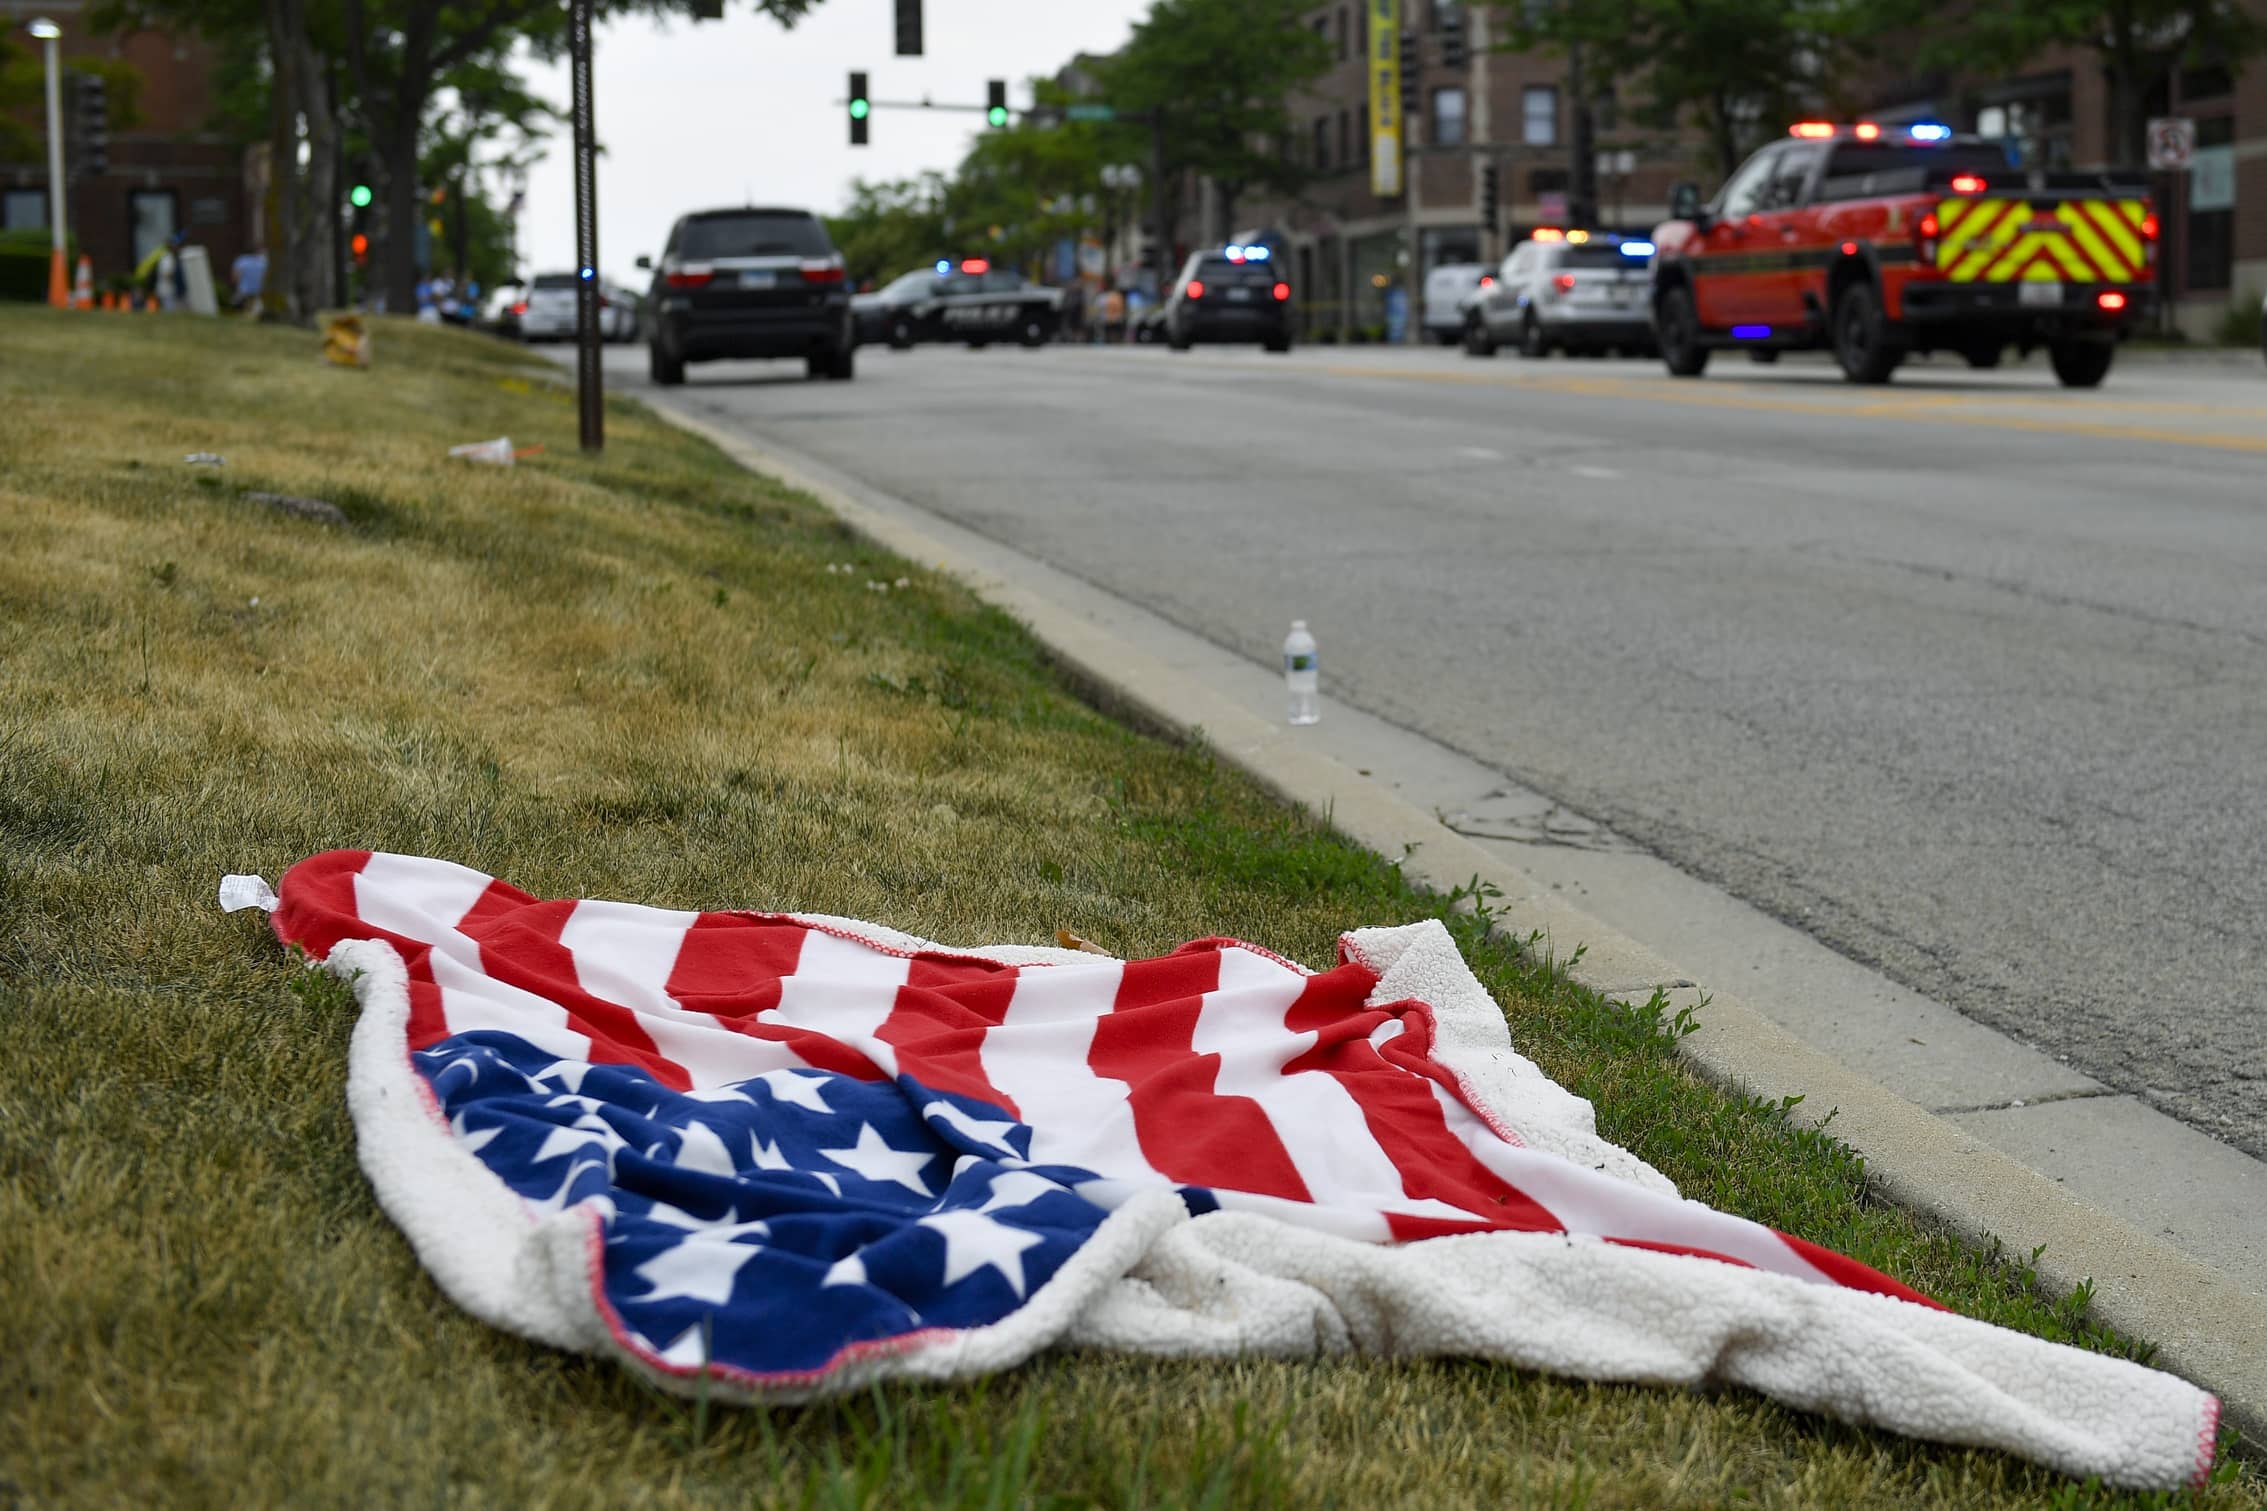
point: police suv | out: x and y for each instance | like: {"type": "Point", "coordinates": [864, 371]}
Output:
{"type": "Point", "coordinates": [972, 302]}
{"type": "Point", "coordinates": [1877, 241]}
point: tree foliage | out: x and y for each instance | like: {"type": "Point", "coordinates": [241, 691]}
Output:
{"type": "Point", "coordinates": [2139, 44]}
{"type": "Point", "coordinates": [1222, 74]}
{"type": "Point", "coordinates": [1737, 70]}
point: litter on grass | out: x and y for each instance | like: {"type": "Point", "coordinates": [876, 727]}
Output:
{"type": "Point", "coordinates": [773, 1157]}
{"type": "Point", "coordinates": [499, 451]}
{"type": "Point", "coordinates": [205, 459]}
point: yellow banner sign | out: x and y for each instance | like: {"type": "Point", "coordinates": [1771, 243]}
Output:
{"type": "Point", "coordinates": [1385, 97]}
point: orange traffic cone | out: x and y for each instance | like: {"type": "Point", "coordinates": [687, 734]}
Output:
{"type": "Point", "coordinates": [109, 299]}
{"type": "Point", "coordinates": [82, 289]}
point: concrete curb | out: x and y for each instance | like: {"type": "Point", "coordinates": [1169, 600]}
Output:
{"type": "Point", "coordinates": [2205, 1324]}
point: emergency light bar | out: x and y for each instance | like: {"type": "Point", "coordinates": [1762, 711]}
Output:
{"type": "Point", "coordinates": [1253, 253]}
{"type": "Point", "coordinates": [1638, 249]}
{"type": "Point", "coordinates": [1868, 131]}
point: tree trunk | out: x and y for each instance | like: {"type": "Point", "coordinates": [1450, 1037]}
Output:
{"type": "Point", "coordinates": [286, 20]}
{"type": "Point", "coordinates": [316, 235]}
{"type": "Point", "coordinates": [398, 155]}
{"type": "Point", "coordinates": [1727, 144]}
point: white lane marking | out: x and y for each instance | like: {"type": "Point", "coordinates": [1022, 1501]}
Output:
{"type": "Point", "coordinates": [1602, 473]}
{"type": "Point", "coordinates": [1479, 453]}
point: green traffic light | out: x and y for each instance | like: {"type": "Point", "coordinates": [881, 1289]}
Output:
{"type": "Point", "coordinates": [360, 196]}
{"type": "Point", "coordinates": [997, 115]}
{"type": "Point", "coordinates": [859, 109]}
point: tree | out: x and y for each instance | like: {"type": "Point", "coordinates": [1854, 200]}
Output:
{"type": "Point", "coordinates": [1736, 69]}
{"type": "Point", "coordinates": [1222, 73]}
{"type": "Point", "coordinates": [892, 228]}
{"type": "Point", "coordinates": [2138, 42]}
{"type": "Point", "coordinates": [399, 55]}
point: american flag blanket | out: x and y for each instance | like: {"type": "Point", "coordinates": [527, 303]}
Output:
{"type": "Point", "coordinates": [776, 1156]}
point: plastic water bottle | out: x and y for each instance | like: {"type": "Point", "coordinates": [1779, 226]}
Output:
{"type": "Point", "coordinates": [1301, 675]}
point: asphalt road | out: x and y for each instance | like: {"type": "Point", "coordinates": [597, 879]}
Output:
{"type": "Point", "coordinates": [1966, 677]}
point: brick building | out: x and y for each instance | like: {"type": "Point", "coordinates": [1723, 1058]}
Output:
{"type": "Point", "coordinates": [1510, 109]}
{"type": "Point", "coordinates": [170, 172]}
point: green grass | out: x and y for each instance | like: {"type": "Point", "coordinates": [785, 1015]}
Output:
{"type": "Point", "coordinates": [635, 676]}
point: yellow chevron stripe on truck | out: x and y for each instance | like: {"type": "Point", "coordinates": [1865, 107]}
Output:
{"type": "Point", "coordinates": [2076, 240]}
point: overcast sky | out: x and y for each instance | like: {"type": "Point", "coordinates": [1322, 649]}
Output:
{"type": "Point", "coordinates": [718, 113]}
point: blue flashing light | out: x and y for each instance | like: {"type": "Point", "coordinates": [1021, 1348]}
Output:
{"type": "Point", "coordinates": [1929, 131]}
{"type": "Point", "coordinates": [1255, 254]}
{"type": "Point", "coordinates": [1235, 253]}
{"type": "Point", "coordinates": [944, 265]}
{"type": "Point", "coordinates": [588, 274]}
{"type": "Point", "coordinates": [1751, 332]}
{"type": "Point", "coordinates": [1638, 249]}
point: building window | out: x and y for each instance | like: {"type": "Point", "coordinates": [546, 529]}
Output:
{"type": "Point", "coordinates": [1346, 136]}
{"type": "Point", "coordinates": [1342, 34]}
{"type": "Point", "coordinates": [1447, 14]}
{"type": "Point", "coordinates": [1362, 31]}
{"type": "Point", "coordinates": [1542, 181]}
{"type": "Point", "coordinates": [1539, 115]}
{"type": "Point", "coordinates": [1448, 117]}
{"type": "Point", "coordinates": [1322, 143]}
{"type": "Point", "coordinates": [156, 215]}
{"type": "Point", "coordinates": [24, 210]}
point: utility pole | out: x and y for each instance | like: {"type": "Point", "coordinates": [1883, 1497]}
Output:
{"type": "Point", "coordinates": [590, 373]}
{"type": "Point", "coordinates": [58, 278]}
{"type": "Point", "coordinates": [1582, 150]}
{"type": "Point", "coordinates": [1161, 224]}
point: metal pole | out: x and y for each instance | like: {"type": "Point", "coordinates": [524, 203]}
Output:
{"type": "Point", "coordinates": [49, 33]}
{"type": "Point", "coordinates": [590, 376]}
{"type": "Point", "coordinates": [1161, 227]}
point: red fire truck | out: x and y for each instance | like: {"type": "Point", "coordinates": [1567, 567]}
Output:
{"type": "Point", "coordinates": [1881, 241]}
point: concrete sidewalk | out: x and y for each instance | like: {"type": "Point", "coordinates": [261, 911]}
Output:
{"type": "Point", "coordinates": [1954, 1120]}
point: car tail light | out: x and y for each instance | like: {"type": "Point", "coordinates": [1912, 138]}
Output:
{"type": "Point", "coordinates": [2149, 238]}
{"type": "Point", "coordinates": [1196, 288]}
{"type": "Point", "coordinates": [1487, 282]}
{"type": "Point", "coordinates": [822, 270]}
{"type": "Point", "coordinates": [1282, 291]}
{"type": "Point", "coordinates": [1564, 283]}
{"type": "Point", "coordinates": [2111, 300]}
{"type": "Point", "coordinates": [2149, 225]}
{"type": "Point", "coordinates": [689, 275]}
{"type": "Point", "coordinates": [1849, 249]}
{"type": "Point", "coordinates": [1968, 183]}
{"type": "Point", "coordinates": [520, 308]}
{"type": "Point", "coordinates": [1925, 233]}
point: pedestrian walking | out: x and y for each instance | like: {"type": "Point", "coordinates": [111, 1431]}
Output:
{"type": "Point", "coordinates": [249, 272]}
{"type": "Point", "coordinates": [1114, 315]}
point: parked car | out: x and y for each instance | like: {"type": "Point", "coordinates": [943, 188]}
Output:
{"type": "Point", "coordinates": [500, 312]}
{"type": "Point", "coordinates": [750, 282]}
{"type": "Point", "coordinates": [548, 313]}
{"type": "Point", "coordinates": [1234, 294]}
{"type": "Point", "coordinates": [1566, 291]}
{"type": "Point", "coordinates": [1447, 289]}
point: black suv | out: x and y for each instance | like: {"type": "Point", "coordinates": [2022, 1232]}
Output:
{"type": "Point", "coordinates": [1234, 294]}
{"type": "Point", "coordinates": [750, 283]}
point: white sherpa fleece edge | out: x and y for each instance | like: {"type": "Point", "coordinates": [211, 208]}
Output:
{"type": "Point", "coordinates": [1153, 1280]}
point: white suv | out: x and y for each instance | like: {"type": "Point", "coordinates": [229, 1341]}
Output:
{"type": "Point", "coordinates": [1572, 291]}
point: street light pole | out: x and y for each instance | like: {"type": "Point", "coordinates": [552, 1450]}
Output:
{"type": "Point", "coordinates": [58, 279]}
{"type": "Point", "coordinates": [590, 376]}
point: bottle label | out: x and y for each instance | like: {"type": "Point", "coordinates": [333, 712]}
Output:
{"type": "Point", "coordinates": [1299, 663]}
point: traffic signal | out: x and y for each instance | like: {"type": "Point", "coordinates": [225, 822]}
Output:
{"type": "Point", "coordinates": [1488, 196]}
{"type": "Point", "coordinates": [909, 28]}
{"type": "Point", "coordinates": [996, 102]}
{"type": "Point", "coordinates": [861, 106]}
{"type": "Point", "coordinates": [94, 122]}
{"type": "Point", "coordinates": [359, 196]}
{"type": "Point", "coordinates": [361, 248]}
